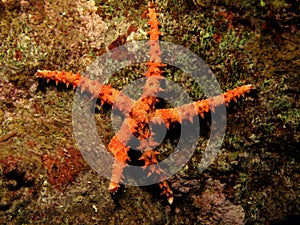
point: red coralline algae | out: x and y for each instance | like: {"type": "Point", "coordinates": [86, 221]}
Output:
{"type": "Point", "coordinates": [64, 166]}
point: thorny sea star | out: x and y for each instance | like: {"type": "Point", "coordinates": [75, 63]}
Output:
{"type": "Point", "coordinates": [143, 110]}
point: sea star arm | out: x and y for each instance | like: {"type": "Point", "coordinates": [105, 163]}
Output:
{"type": "Point", "coordinates": [200, 107]}
{"type": "Point", "coordinates": [105, 93]}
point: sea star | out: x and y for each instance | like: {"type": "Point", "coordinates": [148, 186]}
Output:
{"type": "Point", "coordinates": [141, 112]}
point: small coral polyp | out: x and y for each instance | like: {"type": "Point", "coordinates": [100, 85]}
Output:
{"type": "Point", "coordinates": [143, 109]}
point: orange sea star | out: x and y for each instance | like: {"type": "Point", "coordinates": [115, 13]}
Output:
{"type": "Point", "coordinates": [142, 111]}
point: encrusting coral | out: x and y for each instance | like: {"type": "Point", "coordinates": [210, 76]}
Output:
{"type": "Point", "coordinates": [142, 111]}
